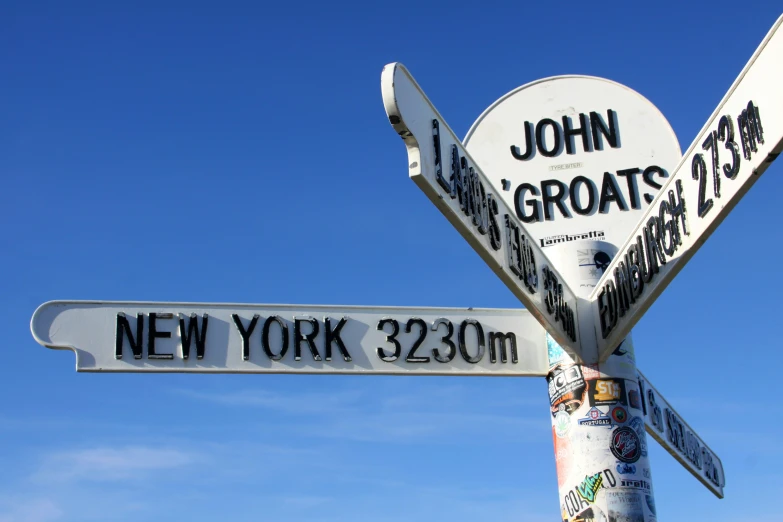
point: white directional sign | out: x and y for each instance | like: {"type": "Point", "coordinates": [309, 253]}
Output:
{"type": "Point", "coordinates": [443, 169]}
{"type": "Point", "coordinates": [674, 434]}
{"type": "Point", "coordinates": [740, 140]}
{"type": "Point", "coordinates": [576, 157]}
{"type": "Point", "coordinates": [235, 338]}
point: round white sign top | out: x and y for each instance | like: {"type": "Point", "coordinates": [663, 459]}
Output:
{"type": "Point", "coordinates": [576, 157]}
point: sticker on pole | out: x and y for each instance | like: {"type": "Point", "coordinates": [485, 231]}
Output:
{"type": "Point", "coordinates": [236, 338]}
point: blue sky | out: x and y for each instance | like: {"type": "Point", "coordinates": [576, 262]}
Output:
{"type": "Point", "coordinates": [230, 152]}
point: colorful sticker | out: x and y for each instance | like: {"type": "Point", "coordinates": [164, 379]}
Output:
{"type": "Point", "coordinates": [595, 417]}
{"type": "Point", "coordinates": [619, 415]}
{"type": "Point", "coordinates": [605, 392]}
{"type": "Point", "coordinates": [566, 388]}
{"type": "Point", "coordinates": [589, 487]}
{"type": "Point", "coordinates": [625, 444]}
{"type": "Point", "coordinates": [626, 469]}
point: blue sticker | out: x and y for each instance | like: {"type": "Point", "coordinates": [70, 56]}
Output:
{"type": "Point", "coordinates": [555, 352]}
{"type": "Point", "coordinates": [626, 469]}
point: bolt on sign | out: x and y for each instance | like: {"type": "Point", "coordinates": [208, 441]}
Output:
{"type": "Point", "coordinates": [575, 157]}
{"type": "Point", "coordinates": [234, 338]}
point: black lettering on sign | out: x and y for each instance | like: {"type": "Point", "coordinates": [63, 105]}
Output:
{"type": "Point", "coordinates": [463, 348]}
{"type": "Point", "coordinates": [465, 184]}
{"type": "Point", "coordinates": [629, 174]}
{"type": "Point", "coordinates": [581, 196]}
{"type": "Point", "coordinates": [540, 130]}
{"type": "Point", "coordinates": [333, 336]}
{"type": "Point", "coordinates": [601, 130]}
{"type": "Point", "coordinates": [750, 130]}
{"type": "Point", "coordinates": [190, 331]}
{"type": "Point", "coordinates": [497, 343]}
{"type": "Point", "coordinates": [569, 133]}
{"type": "Point", "coordinates": [663, 235]}
{"type": "Point", "coordinates": [123, 330]}
{"type": "Point", "coordinates": [520, 257]}
{"type": "Point", "coordinates": [245, 333]}
{"type": "Point", "coordinates": [726, 135]}
{"type": "Point", "coordinates": [610, 192]}
{"type": "Point", "coordinates": [266, 343]}
{"type": "Point", "coordinates": [656, 415]}
{"type": "Point", "coordinates": [573, 191]}
{"type": "Point", "coordinates": [494, 228]}
{"type": "Point", "coordinates": [446, 339]}
{"type": "Point", "coordinates": [412, 357]}
{"type": "Point", "coordinates": [532, 203]}
{"type": "Point", "coordinates": [556, 197]}
{"type": "Point", "coordinates": [529, 148]}
{"type": "Point", "coordinates": [154, 333]}
{"type": "Point", "coordinates": [556, 305]}
{"type": "Point", "coordinates": [309, 338]}
{"type": "Point", "coordinates": [391, 338]}
{"type": "Point", "coordinates": [647, 176]}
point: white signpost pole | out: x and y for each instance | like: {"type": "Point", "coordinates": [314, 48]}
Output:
{"type": "Point", "coordinates": [598, 427]}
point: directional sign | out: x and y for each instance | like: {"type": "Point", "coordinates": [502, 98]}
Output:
{"type": "Point", "coordinates": [234, 338]}
{"type": "Point", "coordinates": [442, 168]}
{"type": "Point", "coordinates": [576, 157]}
{"type": "Point", "coordinates": [740, 140]}
{"type": "Point", "coordinates": [674, 434]}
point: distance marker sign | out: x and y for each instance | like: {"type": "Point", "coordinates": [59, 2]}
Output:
{"type": "Point", "coordinates": [446, 173]}
{"type": "Point", "coordinates": [739, 141]}
{"type": "Point", "coordinates": [241, 338]}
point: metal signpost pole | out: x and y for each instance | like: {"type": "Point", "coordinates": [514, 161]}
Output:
{"type": "Point", "coordinates": [598, 428]}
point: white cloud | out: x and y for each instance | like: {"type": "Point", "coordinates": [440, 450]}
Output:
{"type": "Point", "coordinates": [111, 463]}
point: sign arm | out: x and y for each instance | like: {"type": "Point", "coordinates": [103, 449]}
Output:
{"type": "Point", "coordinates": [439, 164]}
{"type": "Point", "coordinates": [740, 140]}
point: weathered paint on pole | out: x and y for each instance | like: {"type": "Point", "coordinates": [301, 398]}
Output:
{"type": "Point", "coordinates": [603, 468]}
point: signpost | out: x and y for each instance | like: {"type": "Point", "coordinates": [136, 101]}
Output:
{"type": "Point", "coordinates": [601, 405]}
{"type": "Point", "coordinates": [736, 145]}
{"type": "Point", "coordinates": [241, 338]}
